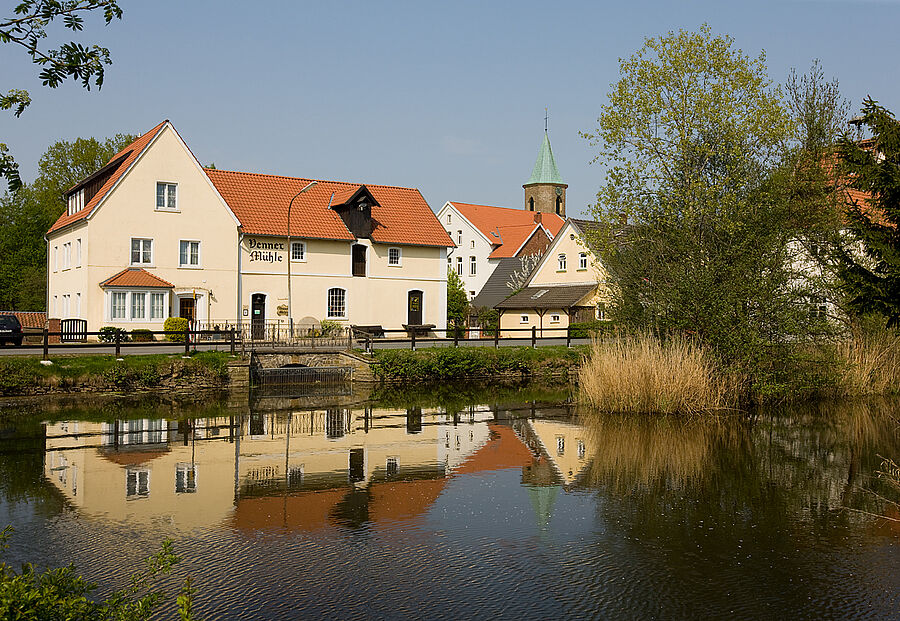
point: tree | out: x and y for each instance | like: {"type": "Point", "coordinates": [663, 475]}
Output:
{"type": "Point", "coordinates": [27, 28]}
{"type": "Point", "coordinates": [691, 135]}
{"type": "Point", "coordinates": [869, 264]}
{"type": "Point", "coordinates": [519, 278]}
{"type": "Point", "coordinates": [25, 216]}
{"type": "Point", "coordinates": [457, 301]}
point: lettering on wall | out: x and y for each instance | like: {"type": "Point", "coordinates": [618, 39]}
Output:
{"type": "Point", "coordinates": [265, 252]}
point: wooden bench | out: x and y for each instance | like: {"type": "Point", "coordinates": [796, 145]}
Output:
{"type": "Point", "coordinates": [419, 330]}
{"type": "Point", "coordinates": [375, 331]}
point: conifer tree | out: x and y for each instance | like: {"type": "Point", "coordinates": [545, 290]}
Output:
{"type": "Point", "coordinates": [869, 263]}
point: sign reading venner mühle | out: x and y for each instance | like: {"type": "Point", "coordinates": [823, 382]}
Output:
{"type": "Point", "coordinates": [282, 310]}
{"type": "Point", "coordinates": [265, 251]}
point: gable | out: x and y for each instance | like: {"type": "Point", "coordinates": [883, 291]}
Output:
{"type": "Point", "coordinates": [570, 243]}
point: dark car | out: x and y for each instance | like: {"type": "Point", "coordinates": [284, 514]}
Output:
{"type": "Point", "coordinates": [10, 330]}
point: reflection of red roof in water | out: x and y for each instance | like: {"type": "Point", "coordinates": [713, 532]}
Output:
{"type": "Point", "coordinates": [132, 458]}
{"type": "Point", "coordinates": [504, 450]}
{"type": "Point", "coordinates": [303, 511]}
{"type": "Point", "coordinates": [403, 499]}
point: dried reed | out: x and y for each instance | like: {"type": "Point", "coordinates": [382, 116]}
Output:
{"type": "Point", "coordinates": [871, 363]}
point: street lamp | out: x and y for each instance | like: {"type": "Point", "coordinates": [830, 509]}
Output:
{"type": "Point", "coordinates": [290, 253]}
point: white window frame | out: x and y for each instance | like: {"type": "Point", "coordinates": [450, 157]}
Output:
{"type": "Point", "coordinates": [192, 266]}
{"type": "Point", "coordinates": [524, 318]}
{"type": "Point", "coordinates": [473, 266]}
{"type": "Point", "coordinates": [328, 307]}
{"type": "Point", "coordinates": [459, 238]}
{"type": "Point", "coordinates": [399, 261]}
{"type": "Point", "coordinates": [449, 218]}
{"type": "Point", "coordinates": [66, 305]}
{"type": "Point", "coordinates": [302, 246]}
{"type": "Point", "coordinates": [112, 306]}
{"type": "Point", "coordinates": [459, 266]}
{"type": "Point", "coordinates": [582, 261]}
{"type": "Point", "coordinates": [66, 255]}
{"type": "Point", "coordinates": [164, 312]}
{"type": "Point", "coordinates": [554, 318]}
{"type": "Point", "coordinates": [78, 305]}
{"type": "Point", "coordinates": [561, 262]}
{"type": "Point", "coordinates": [130, 294]}
{"type": "Point", "coordinates": [78, 252]}
{"type": "Point", "coordinates": [75, 202]}
{"type": "Point", "coordinates": [169, 185]}
{"type": "Point", "coordinates": [144, 241]}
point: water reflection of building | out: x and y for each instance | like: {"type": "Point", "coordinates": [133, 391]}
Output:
{"type": "Point", "coordinates": [297, 470]}
{"type": "Point", "coordinates": [563, 451]}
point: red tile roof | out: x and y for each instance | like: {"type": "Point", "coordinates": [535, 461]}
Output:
{"type": "Point", "coordinates": [506, 227]}
{"type": "Point", "coordinates": [127, 156]}
{"type": "Point", "coordinates": [260, 203]}
{"type": "Point", "coordinates": [135, 277]}
{"type": "Point", "coordinates": [28, 319]}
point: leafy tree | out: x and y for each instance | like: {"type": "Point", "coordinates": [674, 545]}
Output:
{"type": "Point", "coordinates": [27, 28]}
{"type": "Point", "coordinates": [457, 301]}
{"type": "Point", "coordinates": [690, 136]}
{"type": "Point", "coordinates": [869, 264]}
{"type": "Point", "coordinates": [25, 216]}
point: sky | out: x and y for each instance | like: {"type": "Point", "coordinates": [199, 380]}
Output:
{"type": "Point", "coordinates": [446, 97]}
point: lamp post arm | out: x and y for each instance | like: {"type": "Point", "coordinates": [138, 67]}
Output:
{"type": "Point", "coordinates": [290, 252]}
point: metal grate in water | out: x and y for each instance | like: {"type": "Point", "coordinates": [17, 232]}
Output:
{"type": "Point", "coordinates": [322, 377]}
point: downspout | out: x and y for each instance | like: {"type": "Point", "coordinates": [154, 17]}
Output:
{"type": "Point", "coordinates": [47, 280]}
{"type": "Point", "coordinates": [239, 292]}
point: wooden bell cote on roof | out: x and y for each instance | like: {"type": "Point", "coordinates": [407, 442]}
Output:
{"type": "Point", "coordinates": [354, 206]}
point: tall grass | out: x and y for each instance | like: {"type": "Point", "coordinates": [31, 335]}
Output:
{"type": "Point", "coordinates": [871, 363]}
{"type": "Point", "coordinates": [641, 373]}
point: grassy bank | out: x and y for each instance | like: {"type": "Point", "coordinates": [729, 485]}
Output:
{"type": "Point", "coordinates": [27, 376]}
{"type": "Point", "coordinates": [438, 364]}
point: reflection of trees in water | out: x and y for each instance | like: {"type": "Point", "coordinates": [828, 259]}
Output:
{"type": "Point", "coordinates": [22, 466]}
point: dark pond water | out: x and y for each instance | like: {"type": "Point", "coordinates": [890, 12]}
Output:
{"type": "Point", "coordinates": [466, 504]}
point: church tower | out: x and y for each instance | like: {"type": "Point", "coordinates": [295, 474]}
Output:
{"type": "Point", "coordinates": [545, 191]}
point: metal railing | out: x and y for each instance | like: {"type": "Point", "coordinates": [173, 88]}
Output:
{"type": "Point", "coordinates": [118, 339]}
{"type": "Point", "coordinates": [427, 336]}
{"type": "Point", "coordinates": [292, 376]}
{"type": "Point", "coordinates": [279, 332]}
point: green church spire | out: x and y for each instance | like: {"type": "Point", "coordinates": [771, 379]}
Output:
{"type": "Point", "coordinates": [545, 170]}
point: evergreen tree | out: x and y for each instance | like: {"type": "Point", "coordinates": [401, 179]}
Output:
{"type": "Point", "coordinates": [869, 262]}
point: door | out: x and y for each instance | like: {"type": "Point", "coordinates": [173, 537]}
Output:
{"type": "Point", "coordinates": [414, 312]}
{"type": "Point", "coordinates": [258, 316]}
{"type": "Point", "coordinates": [186, 309]}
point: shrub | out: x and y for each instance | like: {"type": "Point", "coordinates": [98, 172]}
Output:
{"type": "Point", "coordinates": [142, 336]}
{"type": "Point", "coordinates": [330, 328]}
{"type": "Point", "coordinates": [584, 329]}
{"type": "Point", "coordinates": [119, 375]}
{"type": "Point", "coordinates": [108, 334]}
{"type": "Point", "coordinates": [871, 362]}
{"type": "Point", "coordinates": [176, 324]}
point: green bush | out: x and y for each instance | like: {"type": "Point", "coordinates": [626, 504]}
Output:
{"type": "Point", "coordinates": [585, 329]}
{"type": "Point", "coordinates": [119, 375]}
{"type": "Point", "coordinates": [176, 324]}
{"type": "Point", "coordinates": [142, 336]}
{"type": "Point", "coordinates": [330, 328]}
{"type": "Point", "coordinates": [16, 376]}
{"type": "Point", "coordinates": [108, 334]}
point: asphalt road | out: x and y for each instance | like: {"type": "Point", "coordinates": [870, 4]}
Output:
{"type": "Point", "coordinates": [131, 349]}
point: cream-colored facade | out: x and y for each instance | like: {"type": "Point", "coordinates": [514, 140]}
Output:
{"type": "Point", "coordinates": [163, 215]}
{"type": "Point", "coordinates": [568, 262]}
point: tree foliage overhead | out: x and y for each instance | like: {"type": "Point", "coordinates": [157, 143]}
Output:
{"type": "Point", "coordinates": [27, 28]}
{"type": "Point", "coordinates": [691, 138]}
{"type": "Point", "coordinates": [870, 265]}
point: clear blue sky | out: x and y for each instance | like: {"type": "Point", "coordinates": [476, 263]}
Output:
{"type": "Point", "coordinates": [446, 97]}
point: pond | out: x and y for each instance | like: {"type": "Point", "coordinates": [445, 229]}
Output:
{"type": "Point", "coordinates": [465, 503]}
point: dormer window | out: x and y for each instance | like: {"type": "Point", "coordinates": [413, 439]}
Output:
{"type": "Point", "coordinates": [75, 202]}
{"type": "Point", "coordinates": [166, 199]}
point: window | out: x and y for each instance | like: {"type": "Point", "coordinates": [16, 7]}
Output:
{"type": "Point", "coordinates": [472, 244]}
{"type": "Point", "coordinates": [582, 261]}
{"type": "Point", "coordinates": [449, 219]}
{"type": "Point", "coordinates": [138, 305]}
{"type": "Point", "coordinates": [459, 266]}
{"type": "Point", "coordinates": [157, 306]}
{"type": "Point", "coordinates": [137, 483]}
{"type": "Point", "coordinates": [78, 305]}
{"type": "Point", "coordinates": [337, 303]}
{"type": "Point", "coordinates": [392, 466]}
{"type": "Point", "coordinates": [818, 310]}
{"type": "Point", "coordinates": [141, 251]}
{"type": "Point", "coordinates": [581, 450]}
{"type": "Point", "coordinates": [471, 294]}
{"type": "Point", "coordinates": [531, 204]}
{"type": "Point", "coordinates": [117, 306]}
{"type": "Point", "coordinates": [188, 253]}
{"type": "Point", "coordinates": [472, 266]}
{"type": "Point", "coordinates": [393, 256]}
{"type": "Point", "coordinates": [165, 196]}
{"type": "Point", "coordinates": [459, 238]}
{"type": "Point", "coordinates": [78, 252]}
{"type": "Point", "coordinates": [562, 263]}
{"type": "Point", "coordinates": [75, 202]}
{"type": "Point", "coordinates": [359, 260]}
{"type": "Point", "coordinates": [560, 445]}
{"type": "Point", "coordinates": [67, 255]}
{"type": "Point", "coordinates": [55, 258]}
{"type": "Point", "coordinates": [65, 305]}
{"type": "Point", "coordinates": [298, 251]}
{"type": "Point", "coordinates": [554, 318]}
{"type": "Point", "coordinates": [558, 205]}
{"type": "Point", "coordinates": [601, 311]}
{"type": "Point", "coordinates": [523, 318]}
{"type": "Point", "coordinates": [54, 305]}
{"type": "Point", "coordinates": [185, 478]}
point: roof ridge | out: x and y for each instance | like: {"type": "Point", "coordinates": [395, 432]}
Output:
{"type": "Point", "coordinates": [349, 183]}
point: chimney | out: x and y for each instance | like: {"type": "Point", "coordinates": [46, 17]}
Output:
{"type": "Point", "coordinates": [537, 217]}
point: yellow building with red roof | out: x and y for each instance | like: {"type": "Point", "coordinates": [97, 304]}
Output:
{"type": "Point", "coordinates": [153, 234]}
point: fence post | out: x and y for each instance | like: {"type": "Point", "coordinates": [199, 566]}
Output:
{"type": "Point", "coordinates": [497, 337]}
{"type": "Point", "coordinates": [412, 342]}
{"type": "Point", "coordinates": [568, 336]}
{"type": "Point", "coordinates": [368, 344]}
{"type": "Point", "coordinates": [187, 341]}
{"type": "Point", "coordinates": [46, 345]}
{"type": "Point", "coordinates": [118, 343]}
{"type": "Point", "coordinates": [455, 336]}
{"type": "Point", "coordinates": [231, 338]}
{"type": "Point", "coordinates": [533, 337]}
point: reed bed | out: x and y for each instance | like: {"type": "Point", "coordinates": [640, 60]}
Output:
{"type": "Point", "coordinates": [871, 363]}
{"type": "Point", "coordinates": [639, 373]}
